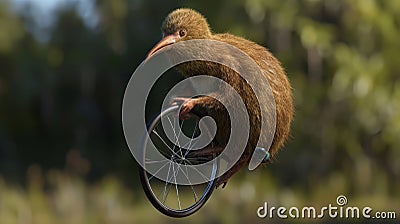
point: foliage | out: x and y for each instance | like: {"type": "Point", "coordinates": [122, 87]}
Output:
{"type": "Point", "coordinates": [62, 94]}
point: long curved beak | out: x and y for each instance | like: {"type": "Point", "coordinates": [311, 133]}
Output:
{"type": "Point", "coordinates": [167, 40]}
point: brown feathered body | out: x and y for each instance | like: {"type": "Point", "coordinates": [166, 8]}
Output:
{"type": "Point", "coordinates": [197, 28]}
{"type": "Point", "coordinates": [278, 82]}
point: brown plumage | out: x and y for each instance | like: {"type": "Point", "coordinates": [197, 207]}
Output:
{"type": "Point", "coordinates": [186, 24]}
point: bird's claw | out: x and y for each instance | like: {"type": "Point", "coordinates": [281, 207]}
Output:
{"type": "Point", "coordinates": [187, 105]}
{"type": "Point", "coordinates": [221, 182]}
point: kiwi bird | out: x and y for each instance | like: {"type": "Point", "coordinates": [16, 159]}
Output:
{"type": "Point", "coordinates": [187, 24]}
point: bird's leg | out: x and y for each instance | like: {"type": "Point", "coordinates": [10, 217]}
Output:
{"type": "Point", "coordinates": [187, 106]}
{"type": "Point", "coordinates": [207, 151]}
{"type": "Point", "coordinates": [201, 105]}
{"type": "Point", "coordinates": [234, 169]}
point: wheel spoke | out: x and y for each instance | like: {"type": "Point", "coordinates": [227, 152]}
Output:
{"type": "Point", "coordinates": [168, 169]}
{"type": "Point", "coordinates": [172, 150]}
{"type": "Point", "coordinates": [177, 136]}
{"type": "Point", "coordinates": [173, 127]}
{"type": "Point", "coordinates": [156, 161]}
{"type": "Point", "coordinates": [190, 183]}
{"type": "Point", "coordinates": [166, 183]}
{"type": "Point", "coordinates": [176, 185]}
{"type": "Point", "coordinates": [153, 175]}
{"type": "Point", "coordinates": [191, 140]}
{"type": "Point", "coordinates": [198, 171]}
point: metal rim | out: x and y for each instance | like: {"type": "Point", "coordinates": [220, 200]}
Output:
{"type": "Point", "coordinates": [153, 195]}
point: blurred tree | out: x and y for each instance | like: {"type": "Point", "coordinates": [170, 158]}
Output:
{"type": "Point", "coordinates": [64, 93]}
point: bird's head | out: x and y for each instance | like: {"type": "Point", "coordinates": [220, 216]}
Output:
{"type": "Point", "coordinates": [181, 25]}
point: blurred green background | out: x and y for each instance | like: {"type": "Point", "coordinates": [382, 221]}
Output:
{"type": "Point", "coordinates": [64, 66]}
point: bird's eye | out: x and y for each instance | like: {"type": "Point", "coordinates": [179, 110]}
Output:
{"type": "Point", "coordinates": [182, 33]}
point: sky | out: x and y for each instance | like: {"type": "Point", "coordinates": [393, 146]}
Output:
{"type": "Point", "coordinates": [44, 13]}
{"type": "Point", "coordinates": [44, 4]}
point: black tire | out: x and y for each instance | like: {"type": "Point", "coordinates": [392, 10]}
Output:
{"type": "Point", "coordinates": [150, 183]}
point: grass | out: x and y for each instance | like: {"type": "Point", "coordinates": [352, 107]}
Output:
{"type": "Point", "coordinates": [62, 197]}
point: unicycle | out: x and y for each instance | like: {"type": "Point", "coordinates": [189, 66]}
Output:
{"type": "Point", "coordinates": [173, 187]}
